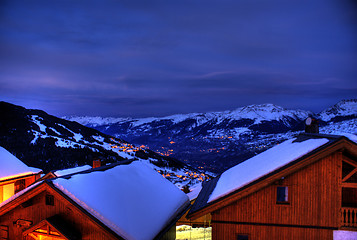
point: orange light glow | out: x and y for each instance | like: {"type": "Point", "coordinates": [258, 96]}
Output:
{"type": "Point", "coordinates": [16, 176]}
{"type": "Point", "coordinates": [7, 191]}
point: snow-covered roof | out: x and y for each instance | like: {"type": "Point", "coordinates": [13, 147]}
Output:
{"type": "Point", "coordinates": [67, 171]}
{"type": "Point", "coordinates": [13, 167]}
{"type": "Point", "coordinates": [262, 164]}
{"type": "Point", "coordinates": [133, 200]}
{"type": "Point", "coordinates": [195, 190]}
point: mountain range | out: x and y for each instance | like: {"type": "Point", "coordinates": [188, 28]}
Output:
{"type": "Point", "coordinates": [218, 140]}
{"type": "Point", "coordinates": [50, 143]}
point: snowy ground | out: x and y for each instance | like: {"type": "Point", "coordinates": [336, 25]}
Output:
{"type": "Point", "coordinates": [185, 232]}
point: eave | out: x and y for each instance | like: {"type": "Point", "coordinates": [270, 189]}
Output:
{"type": "Point", "coordinates": [18, 176]}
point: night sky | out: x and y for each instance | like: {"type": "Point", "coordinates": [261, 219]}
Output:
{"type": "Point", "coordinates": [142, 58]}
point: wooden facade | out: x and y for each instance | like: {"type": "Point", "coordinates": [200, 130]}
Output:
{"type": "Point", "coordinates": [320, 197]}
{"type": "Point", "coordinates": [43, 202]}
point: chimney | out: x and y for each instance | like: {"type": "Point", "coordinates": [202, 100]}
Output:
{"type": "Point", "coordinates": [97, 163]}
{"type": "Point", "coordinates": [311, 125]}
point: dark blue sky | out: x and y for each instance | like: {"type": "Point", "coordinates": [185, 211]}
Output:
{"type": "Point", "coordinates": [156, 58]}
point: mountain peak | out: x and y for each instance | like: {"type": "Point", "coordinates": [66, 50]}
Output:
{"type": "Point", "coordinates": [343, 108]}
{"type": "Point", "coordinates": [267, 112]}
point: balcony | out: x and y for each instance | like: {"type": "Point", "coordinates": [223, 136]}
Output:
{"type": "Point", "coordinates": [348, 217]}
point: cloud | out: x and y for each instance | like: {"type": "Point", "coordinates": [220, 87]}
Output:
{"type": "Point", "coordinates": [164, 57]}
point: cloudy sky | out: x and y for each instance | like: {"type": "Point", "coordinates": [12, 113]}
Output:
{"type": "Point", "coordinates": [143, 58]}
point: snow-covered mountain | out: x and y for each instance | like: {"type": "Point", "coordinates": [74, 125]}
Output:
{"type": "Point", "coordinates": [256, 113]}
{"type": "Point", "coordinates": [345, 109]}
{"type": "Point", "coordinates": [217, 140]}
{"type": "Point", "coordinates": [204, 139]}
{"type": "Point", "coordinates": [50, 143]}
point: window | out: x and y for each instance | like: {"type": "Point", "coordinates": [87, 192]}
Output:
{"type": "Point", "coordinates": [6, 191]}
{"type": "Point", "coordinates": [242, 237]}
{"type": "Point", "coordinates": [4, 232]}
{"type": "Point", "coordinates": [19, 185]}
{"type": "Point", "coordinates": [50, 200]}
{"type": "Point", "coordinates": [282, 195]}
{"type": "Point", "coordinates": [28, 203]}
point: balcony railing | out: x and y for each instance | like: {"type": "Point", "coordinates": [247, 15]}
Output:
{"type": "Point", "coordinates": [349, 217]}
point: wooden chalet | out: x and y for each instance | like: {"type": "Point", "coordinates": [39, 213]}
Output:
{"type": "Point", "coordinates": [304, 188]}
{"type": "Point", "coordinates": [118, 201]}
{"type": "Point", "coordinates": [14, 175]}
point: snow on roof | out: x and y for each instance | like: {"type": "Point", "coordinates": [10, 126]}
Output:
{"type": "Point", "coordinates": [195, 190]}
{"type": "Point", "coordinates": [12, 166]}
{"type": "Point", "coordinates": [63, 172]}
{"type": "Point", "coordinates": [133, 200]}
{"type": "Point", "coordinates": [262, 164]}
{"type": "Point", "coordinates": [350, 136]}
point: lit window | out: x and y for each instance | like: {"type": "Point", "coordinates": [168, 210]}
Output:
{"type": "Point", "coordinates": [7, 191]}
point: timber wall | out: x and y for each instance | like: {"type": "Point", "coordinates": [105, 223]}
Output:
{"type": "Point", "coordinates": [314, 194]}
{"type": "Point", "coordinates": [39, 211]}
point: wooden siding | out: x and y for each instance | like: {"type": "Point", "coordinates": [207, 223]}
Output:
{"type": "Point", "coordinates": [39, 211]}
{"type": "Point", "coordinates": [313, 210]}
{"type": "Point", "coordinates": [267, 232]}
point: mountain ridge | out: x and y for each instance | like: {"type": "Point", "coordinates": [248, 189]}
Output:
{"type": "Point", "coordinates": [222, 138]}
{"type": "Point", "coordinates": [50, 143]}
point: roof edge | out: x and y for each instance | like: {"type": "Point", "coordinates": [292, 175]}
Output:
{"type": "Point", "coordinates": [173, 221]}
{"type": "Point", "coordinates": [96, 220]}
{"type": "Point", "coordinates": [333, 139]}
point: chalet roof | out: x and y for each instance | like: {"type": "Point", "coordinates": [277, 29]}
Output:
{"type": "Point", "coordinates": [12, 167]}
{"type": "Point", "coordinates": [262, 165]}
{"type": "Point", "coordinates": [132, 200]}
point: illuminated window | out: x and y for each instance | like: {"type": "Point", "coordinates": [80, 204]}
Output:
{"type": "Point", "coordinates": [6, 191]}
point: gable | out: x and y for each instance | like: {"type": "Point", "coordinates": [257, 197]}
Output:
{"type": "Point", "coordinates": [133, 200]}
{"type": "Point", "coordinates": [312, 198]}
{"type": "Point", "coordinates": [263, 164]}
{"type": "Point", "coordinates": [202, 205]}
{"type": "Point", "coordinates": [42, 201]}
